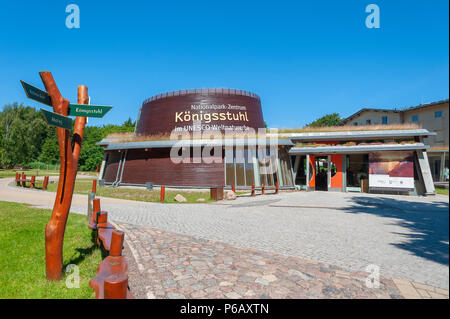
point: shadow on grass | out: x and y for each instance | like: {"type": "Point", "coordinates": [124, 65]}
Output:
{"type": "Point", "coordinates": [84, 253]}
{"type": "Point", "coordinates": [428, 224]}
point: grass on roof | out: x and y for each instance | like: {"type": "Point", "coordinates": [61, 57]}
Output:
{"type": "Point", "coordinates": [306, 129]}
{"type": "Point", "coordinates": [130, 137]}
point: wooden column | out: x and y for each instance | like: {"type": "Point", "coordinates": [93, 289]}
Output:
{"type": "Point", "coordinates": [69, 152]}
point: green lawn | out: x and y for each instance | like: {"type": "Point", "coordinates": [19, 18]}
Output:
{"type": "Point", "coordinates": [29, 172]}
{"type": "Point", "coordinates": [22, 254]}
{"type": "Point", "coordinates": [442, 191]}
{"type": "Point", "coordinates": [38, 173]}
{"type": "Point", "coordinates": [85, 187]}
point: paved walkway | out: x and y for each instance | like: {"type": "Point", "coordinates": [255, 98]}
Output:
{"type": "Point", "coordinates": [38, 198]}
{"type": "Point", "coordinates": [407, 237]}
{"type": "Point", "coordinates": [170, 265]}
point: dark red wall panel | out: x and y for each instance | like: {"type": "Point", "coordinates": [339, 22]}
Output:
{"type": "Point", "coordinates": [156, 166]}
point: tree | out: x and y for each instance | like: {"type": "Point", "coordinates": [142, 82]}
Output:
{"type": "Point", "coordinates": [91, 156]}
{"type": "Point", "coordinates": [23, 131]}
{"type": "Point", "coordinates": [50, 149]}
{"type": "Point", "coordinates": [333, 119]}
{"type": "Point", "coordinates": [26, 137]}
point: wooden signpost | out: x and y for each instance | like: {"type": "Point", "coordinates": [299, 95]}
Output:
{"type": "Point", "coordinates": [69, 153]}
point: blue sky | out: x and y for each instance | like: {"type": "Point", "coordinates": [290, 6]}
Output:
{"type": "Point", "coordinates": [304, 58]}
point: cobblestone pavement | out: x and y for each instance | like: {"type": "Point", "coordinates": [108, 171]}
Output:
{"type": "Point", "coordinates": [169, 265]}
{"type": "Point", "coordinates": [407, 237]}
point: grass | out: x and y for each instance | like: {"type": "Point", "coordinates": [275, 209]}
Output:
{"type": "Point", "coordinates": [22, 254]}
{"type": "Point", "coordinates": [131, 137]}
{"type": "Point", "coordinates": [4, 173]}
{"type": "Point", "coordinates": [85, 187]}
{"type": "Point", "coordinates": [306, 129]}
{"type": "Point", "coordinates": [442, 191]}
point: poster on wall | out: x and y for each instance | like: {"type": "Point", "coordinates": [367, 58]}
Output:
{"type": "Point", "coordinates": [391, 171]}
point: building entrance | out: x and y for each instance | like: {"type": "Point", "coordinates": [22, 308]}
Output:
{"type": "Point", "coordinates": [321, 170]}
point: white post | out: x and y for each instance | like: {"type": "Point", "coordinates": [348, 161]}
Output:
{"type": "Point", "coordinates": [424, 167]}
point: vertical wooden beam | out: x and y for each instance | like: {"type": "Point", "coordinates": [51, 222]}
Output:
{"type": "Point", "coordinates": [69, 152]}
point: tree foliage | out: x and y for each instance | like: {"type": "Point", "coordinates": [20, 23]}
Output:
{"type": "Point", "coordinates": [333, 119]}
{"type": "Point", "coordinates": [23, 131]}
{"type": "Point", "coordinates": [26, 137]}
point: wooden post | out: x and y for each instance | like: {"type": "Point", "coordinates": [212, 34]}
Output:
{"type": "Point", "coordinates": [102, 217]}
{"type": "Point", "coordinates": [115, 286]}
{"type": "Point", "coordinates": [17, 179]}
{"type": "Point", "coordinates": [24, 177]}
{"type": "Point", "coordinates": [216, 193]}
{"type": "Point", "coordinates": [262, 189]}
{"type": "Point", "coordinates": [163, 194]}
{"type": "Point", "coordinates": [277, 188]}
{"type": "Point", "coordinates": [45, 184]}
{"type": "Point", "coordinates": [117, 238]}
{"type": "Point", "coordinates": [69, 153]}
{"type": "Point", "coordinates": [96, 205]}
{"type": "Point", "coordinates": [94, 186]}
{"type": "Point", "coordinates": [253, 189]}
{"type": "Point", "coordinates": [33, 181]}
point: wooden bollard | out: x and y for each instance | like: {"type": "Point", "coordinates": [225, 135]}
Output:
{"type": "Point", "coordinates": [277, 188]}
{"type": "Point", "coordinates": [94, 186]}
{"type": "Point", "coordinates": [96, 205]}
{"type": "Point", "coordinates": [163, 194]}
{"type": "Point", "coordinates": [253, 189]}
{"type": "Point", "coordinates": [45, 184]}
{"type": "Point", "coordinates": [233, 188]}
{"type": "Point", "coordinates": [33, 181]}
{"type": "Point", "coordinates": [23, 179]}
{"type": "Point", "coordinates": [102, 217]}
{"type": "Point", "coordinates": [115, 286]}
{"type": "Point", "coordinates": [117, 238]}
{"type": "Point", "coordinates": [17, 179]}
{"type": "Point", "coordinates": [262, 189]}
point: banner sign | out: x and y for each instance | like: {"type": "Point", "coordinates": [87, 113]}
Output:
{"type": "Point", "coordinates": [391, 171]}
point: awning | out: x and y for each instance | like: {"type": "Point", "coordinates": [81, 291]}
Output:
{"type": "Point", "coordinates": [357, 149]}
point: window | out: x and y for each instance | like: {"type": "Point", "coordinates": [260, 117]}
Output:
{"type": "Point", "coordinates": [415, 118]}
{"type": "Point", "coordinates": [368, 122]}
{"type": "Point", "coordinates": [355, 123]}
{"type": "Point", "coordinates": [437, 114]}
{"type": "Point", "coordinates": [384, 120]}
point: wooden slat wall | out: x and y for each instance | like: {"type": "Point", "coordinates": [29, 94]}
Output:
{"type": "Point", "coordinates": [158, 117]}
{"type": "Point", "coordinates": [112, 162]}
{"type": "Point", "coordinates": [156, 166]}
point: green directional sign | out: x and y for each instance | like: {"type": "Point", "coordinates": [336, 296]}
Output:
{"type": "Point", "coordinates": [36, 94]}
{"type": "Point", "coordinates": [57, 119]}
{"type": "Point", "coordinates": [88, 110]}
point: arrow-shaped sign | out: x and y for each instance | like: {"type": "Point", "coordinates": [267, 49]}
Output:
{"type": "Point", "coordinates": [58, 120]}
{"type": "Point", "coordinates": [36, 94]}
{"type": "Point", "coordinates": [88, 110]}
